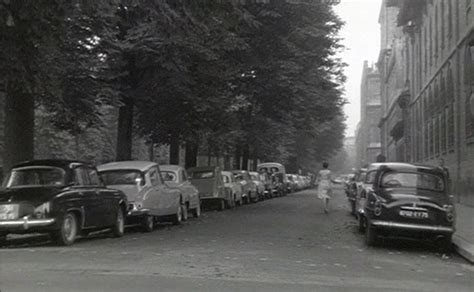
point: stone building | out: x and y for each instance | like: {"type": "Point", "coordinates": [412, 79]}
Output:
{"type": "Point", "coordinates": [427, 67]}
{"type": "Point", "coordinates": [368, 133]}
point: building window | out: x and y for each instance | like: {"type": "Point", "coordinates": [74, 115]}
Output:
{"type": "Point", "coordinates": [436, 32]}
{"type": "Point", "coordinates": [450, 18]}
{"type": "Point", "coordinates": [436, 134]}
{"type": "Point", "coordinates": [442, 130]}
{"type": "Point", "coordinates": [469, 83]}
{"type": "Point", "coordinates": [431, 137]}
{"type": "Point", "coordinates": [451, 126]}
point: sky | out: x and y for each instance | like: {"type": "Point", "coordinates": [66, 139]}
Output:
{"type": "Point", "coordinates": [361, 35]}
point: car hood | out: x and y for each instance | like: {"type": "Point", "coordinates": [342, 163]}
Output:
{"type": "Point", "coordinates": [33, 195]}
{"type": "Point", "coordinates": [414, 195]}
{"type": "Point", "coordinates": [204, 185]}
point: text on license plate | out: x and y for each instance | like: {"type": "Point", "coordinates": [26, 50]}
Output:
{"type": "Point", "coordinates": [413, 214]}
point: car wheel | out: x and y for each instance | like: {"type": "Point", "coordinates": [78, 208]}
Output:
{"type": "Point", "coordinates": [118, 229]}
{"type": "Point", "coordinates": [221, 206]}
{"type": "Point", "coordinates": [232, 202]}
{"type": "Point", "coordinates": [445, 244]}
{"type": "Point", "coordinates": [197, 211]}
{"type": "Point", "coordinates": [178, 216]}
{"type": "Point", "coordinates": [68, 230]}
{"type": "Point", "coordinates": [361, 224]}
{"type": "Point", "coordinates": [185, 208]}
{"type": "Point", "coordinates": [370, 235]}
{"type": "Point", "coordinates": [148, 223]}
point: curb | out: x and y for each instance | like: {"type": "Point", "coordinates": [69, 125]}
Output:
{"type": "Point", "coordinates": [464, 248]}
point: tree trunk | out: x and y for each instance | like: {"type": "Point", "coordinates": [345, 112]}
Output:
{"type": "Point", "coordinates": [19, 126]}
{"type": "Point", "coordinates": [125, 129]}
{"type": "Point", "coordinates": [191, 152]}
{"type": "Point", "coordinates": [226, 161]}
{"type": "Point", "coordinates": [151, 151]}
{"type": "Point", "coordinates": [255, 160]}
{"type": "Point", "coordinates": [209, 153]}
{"type": "Point", "coordinates": [174, 150]}
{"type": "Point", "coordinates": [245, 157]}
{"type": "Point", "coordinates": [237, 154]}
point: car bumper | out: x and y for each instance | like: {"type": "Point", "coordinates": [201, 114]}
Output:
{"type": "Point", "coordinates": [412, 227]}
{"type": "Point", "coordinates": [25, 223]}
{"type": "Point", "coordinates": [138, 213]}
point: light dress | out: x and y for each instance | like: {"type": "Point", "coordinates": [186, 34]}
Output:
{"type": "Point", "coordinates": [324, 184]}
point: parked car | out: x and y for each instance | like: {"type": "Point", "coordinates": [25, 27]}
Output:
{"type": "Point", "coordinates": [407, 200]}
{"type": "Point", "coordinates": [150, 199]}
{"type": "Point", "coordinates": [259, 181]}
{"type": "Point", "coordinates": [176, 176]}
{"type": "Point", "coordinates": [208, 180]}
{"type": "Point", "coordinates": [249, 188]}
{"type": "Point", "coordinates": [62, 197]}
{"type": "Point", "coordinates": [292, 186]}
{"type": "Point", "coordinates": [277, 173]}
{"type": "Point", "coordinates": [234, 187]}
{"type": "Point", "coordinates": [355, 188]}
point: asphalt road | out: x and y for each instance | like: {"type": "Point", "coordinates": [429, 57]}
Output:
{"type": "Point", "coordinates": [284, 244]}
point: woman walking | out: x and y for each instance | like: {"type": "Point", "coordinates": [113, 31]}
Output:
{"type": "Point", "coordinates": [324, 185]}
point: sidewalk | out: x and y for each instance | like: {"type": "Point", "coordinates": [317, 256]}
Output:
{"type": "Point", "coordinates": [463, 239]}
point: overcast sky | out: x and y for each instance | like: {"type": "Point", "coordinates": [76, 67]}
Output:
{"type": "Point", "coordinates": [362, 41]}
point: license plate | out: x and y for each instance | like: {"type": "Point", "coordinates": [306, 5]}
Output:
{"type": "Point", "coordinates": [414, 214]}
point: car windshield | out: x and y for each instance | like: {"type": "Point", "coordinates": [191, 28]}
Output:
{"type": "Point", "coordinates": [413, 180]}
{"type": "Point", "coordinates": [202, 174]}
{"type": "Point", "coordinates": [36, 176]}
{"type": "Point", "coordinates": [121, 177]}
{"type": "Point", "coordinates": [169, 176]}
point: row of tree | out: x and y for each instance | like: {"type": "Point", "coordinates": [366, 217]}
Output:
{"type": "Point", "coordinates": [249, 79]}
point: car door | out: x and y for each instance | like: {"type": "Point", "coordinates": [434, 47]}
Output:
{"type": "Point", "coordinates": [87, 196]}
{"type": "Point", "coordinates": [161, 200]}
{"type": "Point", "coordinates": [190, 190]}
{"type": "Point", "coordinates": [105, 199]}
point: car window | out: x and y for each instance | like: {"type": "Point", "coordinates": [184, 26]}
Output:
{"type": "Point", "coordinates": [120, 177]}
{"type": "Point", "coordinates": [169, 176]}
{"type": "Point", "coordinates": [184, 175]}
{"type": "Point", "coordinates": [81, 176]}
{"type": "Point", "coordinates": [226, 179]}
{"type": "Point", "coordinates": [413, 180]}
{"type": "Point", "coordinates": [155, 178]}
{"type": "Point", "coordinates": [94, 177]}
{"type": "Point", "coordinates": [36, 176]}
{"type": "Point", "coordinates": [370, 177]}
{"type": "Point", "coordinates": [202, 174]}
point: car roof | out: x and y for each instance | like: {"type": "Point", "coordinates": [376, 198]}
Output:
{"type": "Point", "coordinates": [227, 173]}
{"type": "Point", "coordinates": [203, 168]}
{"type": "Point", "coordinates": [131, 164]}
{"type": "Point", "coordinates": [171, 167]}
{"type": "Point", "coordinates": [403, 166]}
{"type": "Point", "coordinates": [62, 163]}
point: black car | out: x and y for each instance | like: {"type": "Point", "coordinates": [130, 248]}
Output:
{"type": "Point", "coordinates": [62, 197]}
{"type": "Point", "coordinates": [407, 200]}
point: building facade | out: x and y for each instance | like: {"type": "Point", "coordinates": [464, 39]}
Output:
{"type": "Point", "coordinates": [427, 67]}
{"type": "Point", "coordinates": [368, 134]}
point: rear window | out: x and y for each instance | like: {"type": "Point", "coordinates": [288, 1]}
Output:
{"type": "Point", "coordinates": [413, 180]}
{"type": "Point", "coordinates": [121, 177]}
{"type": "Point", "coordinates": [202, 174]}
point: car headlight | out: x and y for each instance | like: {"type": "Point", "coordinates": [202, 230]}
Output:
{"type": "Point", "coordinates": [377, 208]}
{"type": "Point", "coordinates": [9, 212]}
{"type": "Point", "coordinates": [450, 215]}
{"type": "Point", "coordinates": [42, 210]}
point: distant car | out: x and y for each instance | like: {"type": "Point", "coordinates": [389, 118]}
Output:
{"type": "Point", "coordinates": [407, 200]}
{"type": "Point", "coordinates": [234, 187]}
{"type": "Point", "coordinates": [150, 199]}
{"type": "Point", "coordinates": [65, 198]}
{"type": "Point", "coordinates": [292, 186]}
{"type": "Point", "coordinates": [259, 181]}
{"type": "Point", "coordinates": [249, 188]}
{"type": "Point", "coordinates": [176, 176]}
{"type": "Point", "coordinates": [208, 180]}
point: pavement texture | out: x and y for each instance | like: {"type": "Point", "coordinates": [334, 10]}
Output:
{"type": "Point", "coordinates": [463, 239]}
{"type": "Point", "coordinates": [283, 244]}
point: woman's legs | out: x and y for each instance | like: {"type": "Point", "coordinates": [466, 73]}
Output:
{"type": "Point", "coordinates": [326, 202]}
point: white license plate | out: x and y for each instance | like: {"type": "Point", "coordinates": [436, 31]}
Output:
{"type": "Point", "coordinates": [414, 214]}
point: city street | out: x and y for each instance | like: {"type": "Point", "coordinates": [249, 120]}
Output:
{"type": "Point", "coordinates": [284, 244]}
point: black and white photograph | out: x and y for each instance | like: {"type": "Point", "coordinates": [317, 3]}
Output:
{"type": "Point", "coordinates": [236, 145]}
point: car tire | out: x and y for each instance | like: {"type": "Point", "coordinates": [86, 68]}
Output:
{"type": "Point", "coordinates": [370, 235]}
{"type": "Point", "coordinates": [118, 229]}
{"type": "Point", "coordinates": [148, 223]}
{"type": "Point", "coordinates": [445, 245]}
{"type": "Point", "coordinates": [361, 224]}
{"type": "Point", "coordinates": [178, 216]}
{"type": "Point", "coordinates": [221, 206]}
{"type": "Point", "coordinates": [197, 211]}
{"type": "Point", "coordinates": [68, 231]}
{"type": "Point", "coordinates": [185, 208]}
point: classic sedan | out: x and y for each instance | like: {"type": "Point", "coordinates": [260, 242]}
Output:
{"type": "Point", "coordinates": [234, 187]}
{"type": "Point", "coordinates": [407, 200]}
{"type": "Point", "coordinates": [175, 176]}
{"type": "Point", "coordinates": [249, 189]}
{"type": "Point", "coordinates": [209, 182]}
{"type": "Point", "coordinates": [150, 199]}
{"type": "Point", "coordinates": [259, 181]}
{"type": "Point", "coordinates": [62, 197]}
